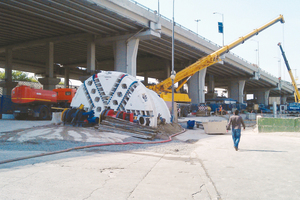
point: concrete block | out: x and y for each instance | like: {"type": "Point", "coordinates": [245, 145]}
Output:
{"type": "Point", "coordinates": [56, 117]}
{"type": "Point", "coordinates": [215, 127]}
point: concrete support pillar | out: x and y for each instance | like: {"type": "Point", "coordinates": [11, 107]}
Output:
{"type": "Point", "coordinates": [236, 90]}
{"type": "Point", "coordinates": [91, 57]}
{"type": "Point", "coordinates": [283, 100]}
{"type": "Point", "coordinates": [132, 49]}
{"type": "Point", "coordinates": [211, 88]}
{"type": "Point", "coordinates": [49, 82]}
{"type": "Point", "coordinates": [245, 96]}
{"type": "Point", "coordinates": [50, 60]}
{"type": "Point", "coordinates": [146, 78]}
{"type": "Point", "coordinates": [196, 86]}
{"type": "Point", "coordinates": [120, 56]}
{"type": "Point", "coordinates": [168, 69]}
{"type": "Point", "coordinates": [125, 54]}
{"type": "Point", "coordinates": [211, 84]}
{"type": "Point", "coordinates": [8, 65]}
{"type": "Point", "coordinates": [262, 96]}
{"type": "Point", "coordinates": [67, 77]}
{"type": "Point", "coordinates": [7, 84]}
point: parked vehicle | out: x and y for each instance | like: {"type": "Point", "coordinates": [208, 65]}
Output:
{"type": "Point", "coordinates": [263, 109]}
{"type": "Point", "coordinates": [227, 104]}
{"type": "Point", "coordinates": [292, 107]}
{"type": "Point", "coordinates": [37, 103]}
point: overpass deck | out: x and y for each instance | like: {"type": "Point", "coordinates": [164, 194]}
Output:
{"type": "Point", "coordinates": [28, 25]}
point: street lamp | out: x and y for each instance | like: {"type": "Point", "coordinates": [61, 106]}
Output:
{"type": "Point", "coordinates": [279, 78]}
{"type": "Point", "coordinates": [221, 25]}
{"type": "Point", "coordinates": [173, 72]}
{"type": "Point", "coordinates": [158, 8]}
{"type": "Point", "coordinates": [279, 68]}
{"type": "Point", "coordinates": [257, 56]}
{"type": "Point", "coordinates": [197, 20]}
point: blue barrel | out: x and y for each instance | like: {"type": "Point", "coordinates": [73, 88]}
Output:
{"type": "Point", "coordinates": [190, 124]}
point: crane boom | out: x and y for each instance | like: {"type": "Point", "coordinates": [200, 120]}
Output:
{"type": "Point", "coordinates": [209, 60]}
{"type": "Point", "coordinates": [297, 95]}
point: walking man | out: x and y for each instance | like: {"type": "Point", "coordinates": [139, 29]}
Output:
{"type": "Point", "coordinates": [236, 121]}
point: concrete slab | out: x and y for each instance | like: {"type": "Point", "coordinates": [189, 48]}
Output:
{"type": "Point", "coordinates": [265, 167]}
{"type": "Point", "coordinates": [11, 125]}
{"type": "Point", "coordinates": [60, 132]}
{"type": "Point", "coordinates": [135, 175]}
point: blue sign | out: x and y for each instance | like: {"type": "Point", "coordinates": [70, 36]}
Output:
{"type": "Point", "coordinates": [220, 27]}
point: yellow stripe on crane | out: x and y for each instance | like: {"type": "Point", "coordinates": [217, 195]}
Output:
{"type": "Point", "coordinates": [33, 99]}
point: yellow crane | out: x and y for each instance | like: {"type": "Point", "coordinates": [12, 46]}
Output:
{"type": "Point", "coordinates": [296, 94]}
{"type": "Point", "coordinates": [164, 88]}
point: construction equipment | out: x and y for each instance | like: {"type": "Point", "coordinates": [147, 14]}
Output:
{"type": "Point", "coordinates": [164, 88]}
{"type": "Point", "coordinates": [292, 107]}
{"type": "Point", "coordinates": [122, 92]}
{"type": "Point", "coordinates": [121, 95]}
{"type": "Point", "coordinates": [296, 93]}
{"type": "Point", "coordinates": [37, 103]}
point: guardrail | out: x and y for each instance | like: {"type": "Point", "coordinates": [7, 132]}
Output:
{"type": "Point", "coordinates": [183, 27]}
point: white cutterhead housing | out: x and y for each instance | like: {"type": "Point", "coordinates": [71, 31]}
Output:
{"type": "Point", "coordinates": [121, 92]}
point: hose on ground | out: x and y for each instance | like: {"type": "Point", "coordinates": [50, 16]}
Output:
{"type": "Point", "coordinates": [89, 146]}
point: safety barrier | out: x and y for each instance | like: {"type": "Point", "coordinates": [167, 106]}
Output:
{"type": "Point", "coordinates": [266, 124]}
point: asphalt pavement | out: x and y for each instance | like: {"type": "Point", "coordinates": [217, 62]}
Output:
{"type": "Point", "coordinates": [194, 165]}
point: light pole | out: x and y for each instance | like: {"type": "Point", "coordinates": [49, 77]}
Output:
{"type": "Point", "coordinates": [173, 72]}
{"type": "Point", "coordinates": [222, 29]}
{"type": "Point", "coordinates": [279, 68]}
{"type": "Point", "coordinates": [279, 77]}
{"type": "Point", "coordinates": [197, 20]}
{"type": "Point", "coordinates": [257, 56]}
{"type": "Point", "coordinates": [158, 9]}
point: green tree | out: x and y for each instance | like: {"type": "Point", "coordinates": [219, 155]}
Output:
{"type": "Point", "coordinates": [2, 75]}
{"type": "Point", "coordinates": [19, 76]}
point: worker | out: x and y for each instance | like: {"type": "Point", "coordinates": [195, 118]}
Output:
{"type": "Point", "coordinates": [220, 109]}
{"type": "Point", "coordinates": [237, 121]}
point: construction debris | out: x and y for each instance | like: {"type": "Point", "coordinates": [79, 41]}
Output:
{"type": "Point", "coordinates": [135, 129]}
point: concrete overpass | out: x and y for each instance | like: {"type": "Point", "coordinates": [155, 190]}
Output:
{"type": "Point", "coordinates": [72, 39]}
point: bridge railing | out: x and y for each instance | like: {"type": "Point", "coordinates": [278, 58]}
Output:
{"type": "Point", "coordinates": [176, 24]}
{"type": "Point", "coordinates": [183, 27]}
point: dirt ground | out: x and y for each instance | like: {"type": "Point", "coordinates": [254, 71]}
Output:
{"type": "Point", "coordinates": [166, 130]}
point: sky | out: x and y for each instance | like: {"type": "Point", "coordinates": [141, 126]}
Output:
{"type": "Point", "coordinates": [240, 18]}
